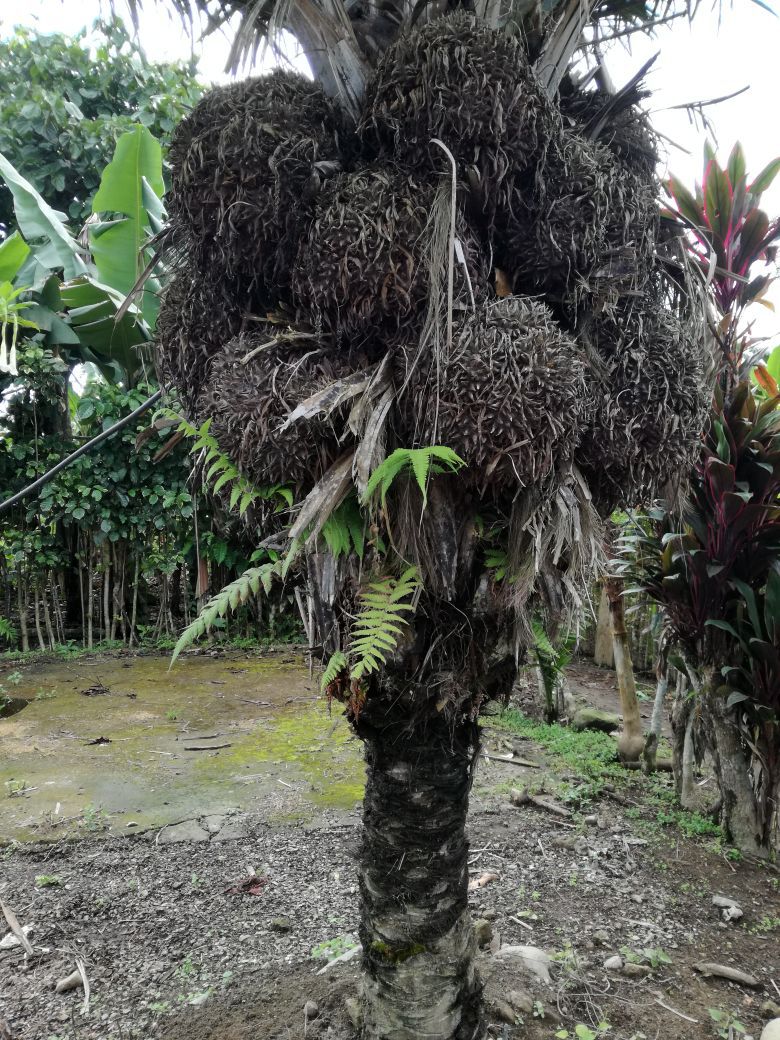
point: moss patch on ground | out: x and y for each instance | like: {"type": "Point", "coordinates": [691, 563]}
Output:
{"type": "Point", "coordinates": [125, 756]}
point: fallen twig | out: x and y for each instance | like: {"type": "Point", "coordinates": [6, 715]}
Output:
{"type": "Point", "coordinates": [16, 928]}
{"type": "Point", "coordinates": [514, 761]}
{"type": "Point", "coordinates": [523, 924]}
{"type": "Point", "coordinates": [206, 747]}
{"type": "Point", "coordinates": [82, 969]}
{"type": "Point", "coordinates": [678, 1013]}
{"type": "Point", "coordinates": [520, 798]}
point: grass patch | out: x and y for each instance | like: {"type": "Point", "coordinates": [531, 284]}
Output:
{"type": "Point", "coordinates": [591, 759]}
{"type": "Point", "coordinates": [591, 755]}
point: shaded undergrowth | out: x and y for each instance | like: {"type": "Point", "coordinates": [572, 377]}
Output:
{"type": "Point", "coordinates": [584, 768]}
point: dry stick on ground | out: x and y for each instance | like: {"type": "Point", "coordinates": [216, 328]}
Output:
{"type": "Point", "coordinates": [514, 761]}
{"type": "Point", "coordinates": [521, 798]}
{"type": "Point", "coordinates": [16, 928]}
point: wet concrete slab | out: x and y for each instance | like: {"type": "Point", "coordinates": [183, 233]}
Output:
{"type": "Point", "coordinates": [145, 747]}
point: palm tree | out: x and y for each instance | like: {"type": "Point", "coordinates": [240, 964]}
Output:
{"type": "Point", "coordinates": [429, 292]}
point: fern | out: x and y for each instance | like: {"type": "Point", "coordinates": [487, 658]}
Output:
{"type": "Point", "coordinates": [380, 621]}
{"type": "Point", "coordinates": [497, 561]}
{"type": "Point", "coordinates": [336, 665]}
{"type": "Point", "coordinates": [421, 461]}
{"type": "Point", "coordinates": [550, 659]}
{"type": "Point", "coordinates": [543, 648]}
{"type": "Point", "coordinates": [220, 471]}
{"type": "Point", "coordinates": [344, 530]}
{"type": "Point", "coordinates": [229, 599]}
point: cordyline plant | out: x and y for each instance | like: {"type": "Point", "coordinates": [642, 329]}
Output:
{"type": "Point", "coordinates": [427, 293]}
{"type": "Point", "coordinates": [714, 566]}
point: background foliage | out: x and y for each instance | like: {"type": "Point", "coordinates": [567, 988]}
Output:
{"type": "Point", "coordinates": [60, 131]}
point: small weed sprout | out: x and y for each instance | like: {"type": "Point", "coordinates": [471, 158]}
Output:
{"type": "Point", "coordinates": [583, 1032]}
{"type": "Point", "coordinates": [187, 967]}
{"type": "Point", "coordinates": [650, 956]}
{"type": "Point", "coordinates": [48, 880]}
{"type": "Point", "coordinates": [726, 1024]}
{"type": "Point", "coordinates": [333, 948]}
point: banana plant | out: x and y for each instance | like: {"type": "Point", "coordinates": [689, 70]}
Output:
{"type": "Point", "coordinates": [73, 289]}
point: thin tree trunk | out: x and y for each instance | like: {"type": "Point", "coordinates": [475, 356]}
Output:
{"type": "Point", "coordinates": [661, 689]}
{"type": "Point", "coordinates": [83, 605]}
{"type": "Point", "coordinates": [631, 741]}
{"type": "Point", "coordinates": [47, 617]}
{"type": "Point", "coordinates": [106, 590]}
{"type": "Point", "coordinates": [420, 978]}
{"type": "Point", "coordinates": [90, 590]}
{"type": "Point", "coordinates": [57, 584]}
{"type": "Point", "coordinates": [22, 608]}
{"type": "Point", "coordinates": [688, 766]}
{"type": "Point", "coordinates": [134, 613]}
{"type": "Point", "coordinates": [37, 612]}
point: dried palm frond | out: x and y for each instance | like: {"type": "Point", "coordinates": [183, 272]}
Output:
{"type": "Point", "coordinates": [247, 163]}
{"type": "Point", "coordinates": [555, 545]}
{"type": "Point", "coordinates": [250, 400]}
{"type": "Point", "coordinates": [627, 133]}
{"type": "Point", "coordinates": [510, 399]}
{"type": "Point", "coordinates": [361, 270]}
{"type": "Point", "coordinates": [198, 316]}
{"type": "Point", "coordinates": [651, 403]}
{"type": "Point", "coordinates": [471, 87]}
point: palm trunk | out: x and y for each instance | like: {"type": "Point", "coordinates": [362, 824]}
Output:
{"type": "Point", "coordinates": [603, 653]}
{"type": "Point", "coordinates": [419, 974]}
{"type": "Point", "coordinates": [742, 818]}
{"type": "Point", "coordinates": [631, 740]}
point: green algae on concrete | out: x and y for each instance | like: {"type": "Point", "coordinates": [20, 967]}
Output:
{"type": "Point", "coordinates": [286, 753]}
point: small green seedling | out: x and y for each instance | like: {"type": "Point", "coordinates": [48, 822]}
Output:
{"type": "Point", "coordinates": [187, 967]}
{"type": "Point", "coordinates": [333, 948]}
{"type": "Point", "coordinates": [583, 1032]}
{"type": "Point", "coordinates": [648, 955]}
{"type": "Point", "coordinates": [48, 880]}
{"type": "Point", "coordinates": [727, 1025]}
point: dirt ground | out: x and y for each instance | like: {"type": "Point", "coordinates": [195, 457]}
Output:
{"type": "Point", "coordinates": [228, 934]}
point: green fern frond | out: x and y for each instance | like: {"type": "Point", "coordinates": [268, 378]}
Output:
{"type": "Point", "coordinates": [421, 461]}
{"type": "Point", "coordinates": [221, 471]}
{"type": "Point", "coordinates": [344, 530]}
{"type": "Point", "coordinates": [335, 667]}
{"type": "Point", "coordinates": [497, 561]}
{"type": "Point", "coordinates": [230, 598]}
{"type": "Point", "coordinates": [381, 621]}
{"type": "Point", "coordinates": [542, 645]}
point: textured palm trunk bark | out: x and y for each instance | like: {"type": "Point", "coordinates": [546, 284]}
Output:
{"type": "Point", "coordinates": [743, 822]}
{"type": "Point", "coordinates": [420, 980]}
{"type": "Point", "coordinates": [631, 741]}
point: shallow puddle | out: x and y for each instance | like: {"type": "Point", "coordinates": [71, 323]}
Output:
{"type": "Point", "coordinates": [121, 744]}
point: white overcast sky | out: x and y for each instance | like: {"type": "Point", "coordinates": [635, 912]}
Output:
{"type": "Point", "coordinates": [729, 46]}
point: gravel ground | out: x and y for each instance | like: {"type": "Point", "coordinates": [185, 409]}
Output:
{"type": "Point", "coordinates": [224, 937]}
